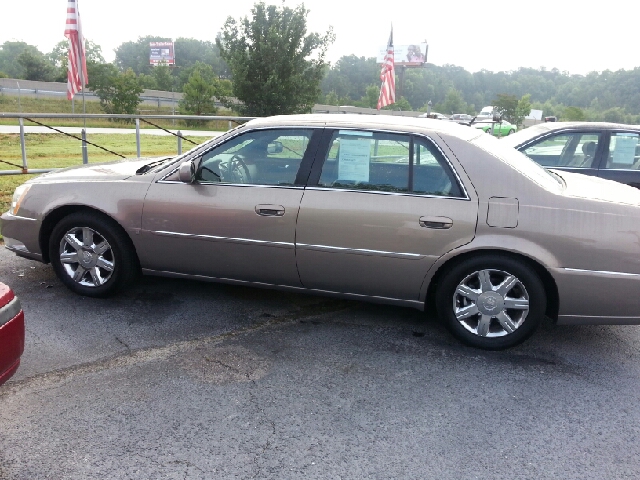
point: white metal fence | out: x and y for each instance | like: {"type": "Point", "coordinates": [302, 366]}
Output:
{"type": "Point", "coordinates": [39, 118]}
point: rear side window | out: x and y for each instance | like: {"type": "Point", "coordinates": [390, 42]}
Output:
{"type": "Point", "coordinates": [387, 162]}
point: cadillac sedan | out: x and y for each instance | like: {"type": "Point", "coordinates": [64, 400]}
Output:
{"type": "Point", "coordinates": [409, 212]}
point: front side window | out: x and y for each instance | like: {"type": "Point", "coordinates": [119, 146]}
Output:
{"type": "Point", "coordinates": [624, 152]}
{"type": "Point", "coordinates": [259, 157]}
{"type": "Point", "coordinates": [387, 162]}
{"type": "Point", "coordinates": [575, 150]}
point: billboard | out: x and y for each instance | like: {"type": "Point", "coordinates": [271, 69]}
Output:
{"type": "Point", "coordinates": [407, 55]}
{"type": "Point", "coordinates": [161, 53]}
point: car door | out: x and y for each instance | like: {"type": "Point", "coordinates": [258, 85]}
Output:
{"type": "Point", "coordinates": [621, 160]}
{"type": "Point", "coordinates": [574, 151]}
{"type": "Point", "coordinates": [237, 220]}
{"type": "Point", "coordinates": [379, 210]}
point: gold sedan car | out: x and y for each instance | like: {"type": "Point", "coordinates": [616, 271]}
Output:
{"type": "Point", "coordinates": [402, 211]}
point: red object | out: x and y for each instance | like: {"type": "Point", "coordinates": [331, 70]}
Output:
{"type": "Point", "coordinates": [11, 333]}
{"type": "Point", "coordinates": [388, 77]}
{"type": "Point", "coordinates": [77, 65]}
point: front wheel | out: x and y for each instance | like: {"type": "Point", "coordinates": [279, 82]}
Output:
{"type": "Point", "coordinates": [92, 255]}
{"type": "Point", "coordinates": [491, 302]}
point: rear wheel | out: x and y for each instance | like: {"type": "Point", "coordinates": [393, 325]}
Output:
{"type": "Point", "coordinates": [92, 255]}
{"type": "Point", "coordinates": [491, 301]}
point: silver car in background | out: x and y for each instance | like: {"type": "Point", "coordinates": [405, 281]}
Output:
{"type": "Point", "coordinates": [409, 212]}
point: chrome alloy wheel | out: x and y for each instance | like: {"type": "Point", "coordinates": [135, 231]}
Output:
{"type": "Point", "coordinates": [491, 303]}
{"type": "Point", "coordinates": [86, 257]}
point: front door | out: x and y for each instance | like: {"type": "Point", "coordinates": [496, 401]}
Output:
{"type": "Point", "coordinates": [238, 220]}
{"type": "Point", "coordinates": [377, 215]}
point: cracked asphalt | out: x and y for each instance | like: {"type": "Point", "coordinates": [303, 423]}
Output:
{"type": "Point", "coordinates": [175, 379]}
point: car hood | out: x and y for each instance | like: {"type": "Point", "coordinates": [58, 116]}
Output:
{"type": "Point", "coordinates": [119, 170]}
{"type": "Point", "coordinates": [598, 189]}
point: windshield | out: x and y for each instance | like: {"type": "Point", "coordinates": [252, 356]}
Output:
{"type": "Point", "coordinates": [518, 161]}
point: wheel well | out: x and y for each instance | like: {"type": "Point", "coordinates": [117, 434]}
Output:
{"type": "Point", "coordinates": [550, 287]}
{"type": "Point", "coordinates": [52, 219]}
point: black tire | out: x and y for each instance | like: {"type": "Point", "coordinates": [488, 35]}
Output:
{"type": "Point", "coordinates": [510, 132]}
{"type": "Point", "coordinates": [495, 326]}
{"type": "Point", "coordinates": [119, 256]}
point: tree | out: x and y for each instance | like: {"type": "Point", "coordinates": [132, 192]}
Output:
{"type": "Point", "coordinates": [453, 103]}
{"type": "Point", "coordinates": [135, 55]}
{"type": "Point", "coordinates": [506, 106]}
{"type": "Point", "coordinates": [188, 51]}
{"type": "Point", "coordinates": [522, 109]}
{"type": "Point", "coordinates": [35, 66]}
{"type": "Point", "coordinates": [59, 58]}
{"type": "Point", "coordinates": [163, 78]}
{"type": "Point", "coordinates": [573, 114]}
{"type": "Point", "coordinates": [199, 92]}
{"type": "Point", "coordinates": [119, 93]}
{"type": "Point", "coordinates": [402, 104]}
{"type": "Point", "coordinates": [276, 67]}
{"type": "Point", "coordinates": [9, 54]}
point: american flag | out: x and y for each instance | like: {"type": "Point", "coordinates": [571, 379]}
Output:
{"type": "Point", "coordinates": [77, 73]}
{"type": "Point", "coordinates": [388, 77]}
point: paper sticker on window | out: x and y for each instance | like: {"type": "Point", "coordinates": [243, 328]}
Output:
{"type": "Point", "coordinates": [354, 159]}
{"type": "Point", "coordinates": [625, 150]}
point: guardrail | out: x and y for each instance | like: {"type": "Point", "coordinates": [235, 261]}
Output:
{"type": "Point", "coordinates": [21, 117]}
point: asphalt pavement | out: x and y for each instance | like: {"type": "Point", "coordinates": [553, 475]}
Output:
{"type": "Point", "coordinates": [180, 379]}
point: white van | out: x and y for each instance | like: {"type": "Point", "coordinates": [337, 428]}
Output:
{"type": "Point", "coordinates": [486, 112]}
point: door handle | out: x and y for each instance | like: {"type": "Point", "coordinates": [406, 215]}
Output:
{"type": "Point", "coordinates": [270, 210]}
{"type": "Point", "coordinates": [437, 223]}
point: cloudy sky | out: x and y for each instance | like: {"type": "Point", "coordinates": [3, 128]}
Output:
{"type": "Point", "coordinates": [571, 35]}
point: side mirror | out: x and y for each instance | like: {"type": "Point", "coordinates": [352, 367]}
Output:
{"type": "Point", "coordinates": [187, 172]}
{"type": "Point", "coordinates": [274, 147]}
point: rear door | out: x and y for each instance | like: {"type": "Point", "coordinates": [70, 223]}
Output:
{"type": "Point", "coordinates": [379, 210]}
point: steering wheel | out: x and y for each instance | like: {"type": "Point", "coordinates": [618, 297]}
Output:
{"type": "Point", "coordinates": [235, 170]}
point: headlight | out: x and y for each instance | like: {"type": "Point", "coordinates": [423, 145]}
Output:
{"type": "Point", "coordinates": [18, 197]}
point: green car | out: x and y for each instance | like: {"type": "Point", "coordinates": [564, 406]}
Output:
{"type": "Point", "coordinates": [501, 129]}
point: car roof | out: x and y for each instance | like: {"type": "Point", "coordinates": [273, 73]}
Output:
{"type": "Point", "coordinates": [542, 129]}
{"type": "Point", "coordinates": [384, 122]}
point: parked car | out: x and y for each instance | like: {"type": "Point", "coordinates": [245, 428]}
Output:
{"type": "Point", "coordinates": [434, 115]}
{"type": "Point", "coordinates": [461, 118]}
{"type": "Point", "coordinates": [500, 129]}
{"type": "Point", "coordinates": [11, 333]}
{"type": "Point", "coordinates": [397, 210]}
{"type": "Point", "coordinates": [606, 150]}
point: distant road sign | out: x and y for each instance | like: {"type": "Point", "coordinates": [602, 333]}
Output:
{"type": "Point", "coordinates": [162, 53]}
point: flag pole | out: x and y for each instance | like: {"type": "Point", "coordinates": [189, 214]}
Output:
{"type": "Point", "coordinates": [82, 80]}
